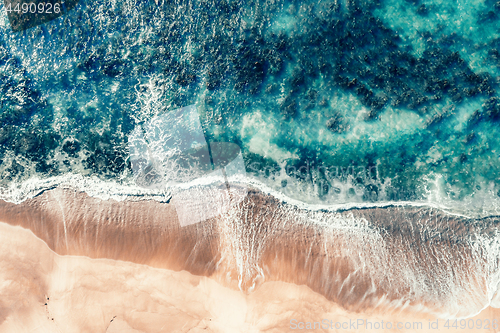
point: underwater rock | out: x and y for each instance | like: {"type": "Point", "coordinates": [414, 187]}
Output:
{"type": "Point", "coordinates": [337, 124]}
{"type": "Point", "coordinates": [491, 109]}
{"type": "Point", "coordinates": [71, 147]}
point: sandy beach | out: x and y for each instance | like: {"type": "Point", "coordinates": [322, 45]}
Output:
{"type": "Point", "coordinates": [73, 263]}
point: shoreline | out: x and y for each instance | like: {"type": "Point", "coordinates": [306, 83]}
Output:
{"type": "Point", "coordinates": [109, 190]}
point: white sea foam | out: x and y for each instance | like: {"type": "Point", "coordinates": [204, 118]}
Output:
{"type": "Point", "coordinates": [482, 204]}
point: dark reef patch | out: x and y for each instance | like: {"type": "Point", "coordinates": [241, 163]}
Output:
{"type": "Point", "coordinates": [337, 124]}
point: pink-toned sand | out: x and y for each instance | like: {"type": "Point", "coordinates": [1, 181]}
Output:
{"type": "Point", "coordinates": [45, 292]}
{"type": "Point", "coordinates": [150, 275]}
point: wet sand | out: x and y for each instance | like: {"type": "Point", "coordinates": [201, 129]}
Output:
{"type": "Point", "coordinates": [156, 276]}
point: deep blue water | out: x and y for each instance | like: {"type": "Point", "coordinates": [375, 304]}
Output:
{"type": "Point", "coordinates": [330, 101]}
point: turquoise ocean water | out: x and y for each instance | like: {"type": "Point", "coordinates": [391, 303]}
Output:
{"type": "Point", "coordinates": [331, 102]}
